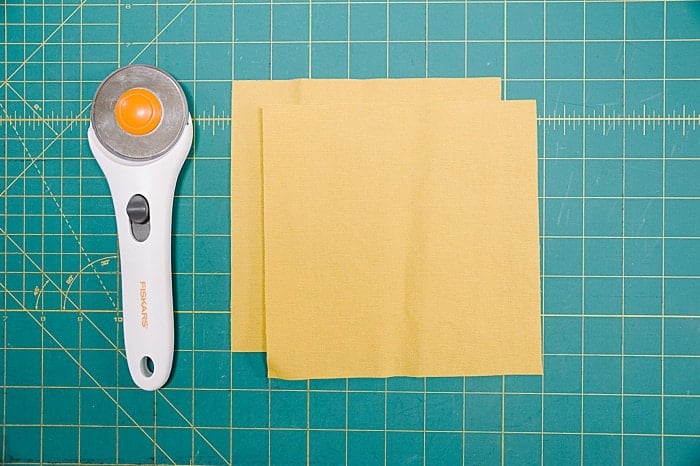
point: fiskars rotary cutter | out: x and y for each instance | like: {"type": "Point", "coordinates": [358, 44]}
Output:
{"type": "Point", "coordinates": [140, 134]}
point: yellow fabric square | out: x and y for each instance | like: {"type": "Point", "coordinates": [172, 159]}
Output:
{"type": "Point", "coordinates": [247, 274]}
{"type": "Point", "coordinates": [401, 239]}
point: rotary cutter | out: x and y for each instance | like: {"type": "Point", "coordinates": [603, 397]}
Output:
{"type": "Point", "coordinates": [140, 133]}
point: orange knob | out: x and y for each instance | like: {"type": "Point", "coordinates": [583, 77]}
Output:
{"type": "Point", "coordinates": [138, 111]}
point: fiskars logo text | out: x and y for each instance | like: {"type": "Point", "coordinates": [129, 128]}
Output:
{"type": "Point", "coordinates": [144, 305]}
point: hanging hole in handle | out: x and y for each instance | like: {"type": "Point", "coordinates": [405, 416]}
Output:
{"type": "Point", "coordinates": [147, 366]}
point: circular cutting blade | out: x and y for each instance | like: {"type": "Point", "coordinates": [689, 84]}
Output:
{"type": "Point", "coordinates": [148, 84]}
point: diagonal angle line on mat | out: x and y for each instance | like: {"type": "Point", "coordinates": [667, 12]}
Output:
{"type": "Point", "coordinates": [86, 372]}
{"type": "Point", "coordinates": [41, 45]}
{"type": "Point", "coordinates": [33, 160]}
{"type": "Point", "coordinates": [38, 268]}
{"type": "Point", "coordinates": [161, 31]}
{"type": "Point", "coordinates": [192, 426]}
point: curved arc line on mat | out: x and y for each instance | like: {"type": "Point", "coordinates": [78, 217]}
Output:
{"type": "Point", "coordinates": [38, 292]}
{"type": "Point", "coordinates": [71, 279]}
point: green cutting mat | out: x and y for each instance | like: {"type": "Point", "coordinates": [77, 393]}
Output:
{"type": "Point", "coordinates": [618, 90]}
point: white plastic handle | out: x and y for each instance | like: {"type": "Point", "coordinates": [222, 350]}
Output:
{"type": "Point", "coordinates": [146, 275]}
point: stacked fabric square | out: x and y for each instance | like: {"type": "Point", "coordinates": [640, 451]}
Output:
{"type": "Point", "coordinates": [384, 228]}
